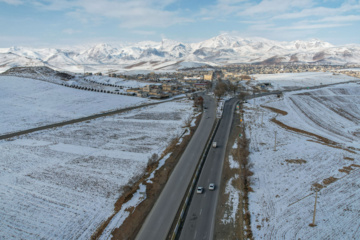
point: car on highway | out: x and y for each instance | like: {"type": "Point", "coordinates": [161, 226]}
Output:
{"type": "Point", "coordinates": [211, 186]}
{"type": "Point", "coordinates": [199, 190]}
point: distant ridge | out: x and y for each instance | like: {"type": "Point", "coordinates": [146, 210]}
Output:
{"type": "Point", "coordinates": [221, 49]}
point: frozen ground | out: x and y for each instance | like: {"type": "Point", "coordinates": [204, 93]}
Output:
{"type": "Point", "coordinates": [26, 103]}
{"type": "Point", "coordinates": [283, 81]}
{"type": "Point", "coordinates": [317, 147]}
{"type": "Point", "coordinates": [63, 183]}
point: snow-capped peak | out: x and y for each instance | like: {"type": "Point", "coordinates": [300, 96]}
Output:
{"type": "Point", "coordinates": [311, 44]}
{"type": "Point", "coordinates": [225, 48]}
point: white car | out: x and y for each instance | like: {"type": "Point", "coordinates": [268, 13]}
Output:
{"type": "Point", "coordinates": [211, 186]}
{"type": "Point", "coordinates": [199, 190]}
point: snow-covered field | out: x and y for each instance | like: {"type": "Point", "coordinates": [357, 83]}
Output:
{"type": "Point", "coordinates": [63, 183]}
{"type": "Point", "coordinates": [317, 147]}
{"type": "Point", "coordinates": [27, 103]}
{"type": "Point", "coordinates": [282, 81]}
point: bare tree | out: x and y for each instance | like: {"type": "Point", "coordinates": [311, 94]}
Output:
{"type": "Point", "coordinates": [209, 86]}
{"type": "Point", "coordinates": [242, 95]}
{"type": "Point", "coordinates": [187, 121]}
{"type": "Point", "coordinates": [199, 101]}
{"type": "Point", "coordinates": [153, 159]}
{"type": "Point", "coordinates": [232, 87]}
{"type": "Point", "coordinates": [220, 89]}
{"type": "Point", "coordinates": [245, 77]}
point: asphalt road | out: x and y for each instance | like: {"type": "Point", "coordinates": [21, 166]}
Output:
{"type": "Point", "coordinates": [158, 223]}
{"type": "Point", "coordinates": [200, 219]}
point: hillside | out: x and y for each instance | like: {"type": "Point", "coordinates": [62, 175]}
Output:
{"type": "Point", "coordinates": [40, 73]}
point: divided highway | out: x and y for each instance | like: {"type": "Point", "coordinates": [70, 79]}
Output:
{"type": "Point", "coordinates": [200, 219]}
{"type": "Point", "coordinates": [159, 221]}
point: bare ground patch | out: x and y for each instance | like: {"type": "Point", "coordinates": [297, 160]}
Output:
{"type": "Point", "coordinates": [318, 186]}
{"type": "Point", "coordinates": [275, 110]}
{"type": "Point", "coordinates": [348, 169]}
{"type": "Point", "coordinates": [169, 65]}
{"type": "Point", "coordinates": [296, 161]}
{"type": "Point", "coordinates": [135, 65]}
{"type": "Point", "coordinates": [329, 180]}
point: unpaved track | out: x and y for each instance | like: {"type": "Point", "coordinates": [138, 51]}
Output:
{"type": "Point", "coordinates": [99, 115]}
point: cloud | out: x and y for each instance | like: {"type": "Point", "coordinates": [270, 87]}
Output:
{"type": "Point", "coordinates": [279, 18]}
{"type": "Point", "coordinates": [319, 12]}
{"type": "Point", "coordinates": [130, 14]}
{"type": "Point", "coordinates": [272, 7]}
{"type": "Point", "coordinates": [222, 8]}
{"type": "Point", "coordinates": [349, 18]}
{"type": "Point", "coordinates": [142, 32]}
{"type": "Point", "coordinates": [71, 31]}
{"type": "Point", "coordinates": [23, 40]}
{"type": "Point", "coordinates": [13, 2]}
{"type": "Point", "coordinates": [312, 26]}
{"type": "Point", "coordinates": [276, 9]}
{"type": "Point", "coordinates": [241, 8]}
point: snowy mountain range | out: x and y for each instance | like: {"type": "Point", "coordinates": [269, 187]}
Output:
{"type": "Point", "coordinates": [222, 49]}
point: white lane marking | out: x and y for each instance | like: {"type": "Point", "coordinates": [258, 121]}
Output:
{"type": "Point", "coordinates": [200, 211]}
{"type": "Point", "coordinates": [195, 235]}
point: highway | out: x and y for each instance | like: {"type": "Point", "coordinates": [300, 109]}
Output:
{"type": "Point", "coordinates": [200, 219]}
{"type": "Point", "coordinates": [158, 223]}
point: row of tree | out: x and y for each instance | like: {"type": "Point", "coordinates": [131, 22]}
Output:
{"type": "Point", "coordinates": [95, 90]}
{"type": "Point", "coordinates": [102, 83]}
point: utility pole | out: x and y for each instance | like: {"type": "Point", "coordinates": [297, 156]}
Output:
{"type": "Point", "coordinates": [313, 223]}
{"type": "Point", "coordinates": [275, 142]}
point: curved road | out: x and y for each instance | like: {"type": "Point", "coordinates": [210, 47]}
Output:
{"type": "Point", "coordinates": [159, 221]}
{"type": "Point", "coordinates": [200, 219]}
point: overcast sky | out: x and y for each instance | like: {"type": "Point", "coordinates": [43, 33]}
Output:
{"type": "Point", "coordinates": [56, 23]}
